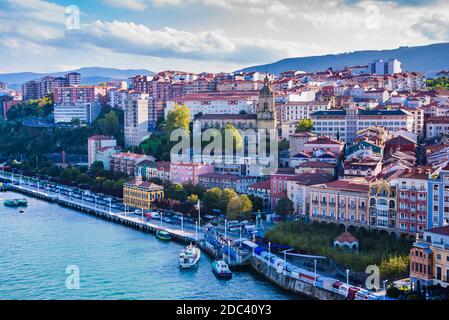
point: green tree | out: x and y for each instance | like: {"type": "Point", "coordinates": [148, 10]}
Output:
{"type": "Point", "coordinates": [109, 124]}
{"type": "Point", "coordinates": [284, 207]}
{"type": "Point", "coordinates": [257, 203]}
{"type": "Point", "coordinates": [239, 207]}
{"type": "Point", "coordinates": [193, 198]}
{"type": "Point", "coordinates": [237, 140]}
{"type": "Point", "coordinates": [176, 192]}
{"type": "Point", "coordinates": [304, 125]}
{"type": "Point", "coordinates": [226, 195]}
{"type": "Point", "coordinates": [211, 199]}
{"type": "Point", "coordinates": [178, 118]}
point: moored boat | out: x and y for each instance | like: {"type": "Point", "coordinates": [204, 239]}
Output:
{"type": "Point", "coordinates": [163, 235]}
{"type": "Point", "coordinates": [15, 203]}
{"type": "Point", "coordinates": [23, 202]}
{"type": "Point", "coordinates": [11, 203]}
{"type": "Point", "coordinates": [189, 257]}
{"type": "Point", "coordinates": [221, 269]}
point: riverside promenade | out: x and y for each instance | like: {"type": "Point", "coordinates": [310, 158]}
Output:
{"type": "Point", "coordinates": [24, 185]}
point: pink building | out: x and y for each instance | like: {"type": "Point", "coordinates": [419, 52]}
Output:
{"type": "Point", "coordinates": [185, 173]}
{"type": "Point", "coordinates": [97, 145]}
{"type": "Point", "coordinates": [78, 94]}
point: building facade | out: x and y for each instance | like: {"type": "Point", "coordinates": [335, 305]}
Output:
{"type": "Point", "coordinates": [142, 195]}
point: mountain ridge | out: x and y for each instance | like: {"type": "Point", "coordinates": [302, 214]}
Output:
{"type": "Point", "coordinates": [90, 75]}
{"type": "Point", "coordinates": [429, 59]}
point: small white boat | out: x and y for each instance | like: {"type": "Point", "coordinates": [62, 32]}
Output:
{"type": "Point", "coordinates": [221, 270]}
{"type": "Point", "coordinates": [189, 257]}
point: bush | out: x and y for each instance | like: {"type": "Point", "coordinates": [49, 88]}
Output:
{"type": "Point", "coordinates": [390, 254]}
{"type": "Point", "coordinates": [412, 297]}
{"type": "Point", "coordinates": [393, 292]}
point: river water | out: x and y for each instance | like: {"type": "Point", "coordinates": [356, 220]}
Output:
{"type": "Point", "coordinates": [114, 262]}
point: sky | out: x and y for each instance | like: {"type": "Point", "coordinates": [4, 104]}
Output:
{"type": "Point", "coordinates": [205, 35]}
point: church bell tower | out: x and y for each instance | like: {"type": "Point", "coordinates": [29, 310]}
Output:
{"type": "Point", "coordinates": [266, 115]}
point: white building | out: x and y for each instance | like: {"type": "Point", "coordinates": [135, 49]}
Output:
{"type": "Point", "coordinates": [136, 120]}
{"type": "Point", "coordinates": [101, 148]}
{"type": "Point", "coordinates": [344, 124]}
{"type": "Point", "coordinates": [381, 67]}
{"type": "Point", "coordinates": [84, 112]}
{"type": "Point", "coordinates": [215, 104]}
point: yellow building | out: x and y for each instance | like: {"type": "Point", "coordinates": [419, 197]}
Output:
{"type": "Point", "coordinates": [140, 194]}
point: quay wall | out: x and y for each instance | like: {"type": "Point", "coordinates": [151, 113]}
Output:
{"type": "Point", "coordinates": [287, 282]}
{"type": "Point", "coordinates": [102, 214]}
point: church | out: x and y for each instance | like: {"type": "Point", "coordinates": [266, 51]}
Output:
{"type": "Point", "coordinates": [265, 117]}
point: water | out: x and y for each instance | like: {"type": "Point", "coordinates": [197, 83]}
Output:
{"type": "Point", "coordinates": [115, 262]}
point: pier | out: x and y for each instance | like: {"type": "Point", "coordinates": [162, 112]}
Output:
{"type": "Point", "coordinates": [125, 218]}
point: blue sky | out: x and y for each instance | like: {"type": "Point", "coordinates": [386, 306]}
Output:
{"type": "Point", "coordinates": [206, 35]}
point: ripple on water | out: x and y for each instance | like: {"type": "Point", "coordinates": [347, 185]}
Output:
{"type": "Point", "coordinates": [115, 262]}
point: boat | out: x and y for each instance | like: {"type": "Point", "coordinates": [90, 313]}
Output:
{"type": "Point", "coordinates": [189, 257]}
{"type": "Point", "coordinates": [163, 235]}
{"type": "Point", "coordinates": [11, 203]}
{"type": "Point", "coordinates": [23, 202]}
{"type": "Point", "coordinates": [221, 269]}
{"type": "Point", "coordinates": [15, 203]}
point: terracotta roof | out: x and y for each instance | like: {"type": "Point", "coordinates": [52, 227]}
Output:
{"type": "Point", "coordinates": [346, 237]}
{"type": "Point", "coordinates": [316, 164]}
{"type": "Point", "coordinates": [309, 179]}
{"type": "Point", "coordinates": [348, 186]}
{"type": "Point", "coordinates": [261, 185]}
{"type": "Point", "coordinates": [144, 184]}
{"type": "Point", "coordinates": [440, 230]}
{"type": "Point", "coordinates": [324, 140]}
{"type": "Point", "coordinates": [228, 117]}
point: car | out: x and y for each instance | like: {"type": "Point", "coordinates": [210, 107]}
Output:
{"type": "Point", "coordinates": [168, 220]}
{"type": "Point", "coordinates": [155, 215]}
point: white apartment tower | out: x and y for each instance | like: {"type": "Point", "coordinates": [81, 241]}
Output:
{"type": "Point", "coordinates": [381, 67]}
{"type": "Point", "coordinates": [136, 120]}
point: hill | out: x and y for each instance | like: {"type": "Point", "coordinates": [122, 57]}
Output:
{"type": "Point", "coordinates": [90, 75]}
{"type": "Point", "coordinates": [429, 59]}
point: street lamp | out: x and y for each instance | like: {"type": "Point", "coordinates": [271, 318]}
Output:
{"type": "Point", "coordinates": [110, 206]}
{"type": "Point", "coordinates": [196, 230]}
{"type": "Point", "coordinates": [347, 276]}
{"type": "Point", "coordinates": [182, 224]}
{"type": "Point", "coordinates": [125, 210]}
{"type": "Point", "coordinates": [269, 247]}
{"type": "Point", "coordinates": [385, 289]}
{"type": "Point", "coordinates": [226, 228]}
{"type": "Point", "coordinates": [314, 263]}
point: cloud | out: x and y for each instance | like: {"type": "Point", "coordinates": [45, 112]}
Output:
{"type": "Point", "coordinates": [128, 4]}
{"type": "Point", "coordinates": [37, 10]}
{"type": "Point", "coordinates": [434, 27]}
{"type": "Point", "coordinates": [132, 38]}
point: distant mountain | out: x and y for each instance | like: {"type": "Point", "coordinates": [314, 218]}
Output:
{"type": "Point", "coordinates": [90, 75]}
{"type": "Point", "coordinates": [429, 59]}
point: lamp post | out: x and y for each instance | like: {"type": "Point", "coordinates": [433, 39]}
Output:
{"type": "Point", "coordinates": [182, 224]}
{"type": "Point", "coordinates": [196, 230]}
{"type": "Point", "coordinates": [314, 264]}
{"type": "Point", "coordinates": [226, 228]}
{"type": "Point", "coordinates": [110, 206]}
{"type": "Point", "coordinates": [125, 210]}
{"type": "Point", "coordinates": [269, 247]}
{"type": "Point", "coordinates": [385, 289]}
{"type": "Point", "coordinates": [347, 276]}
